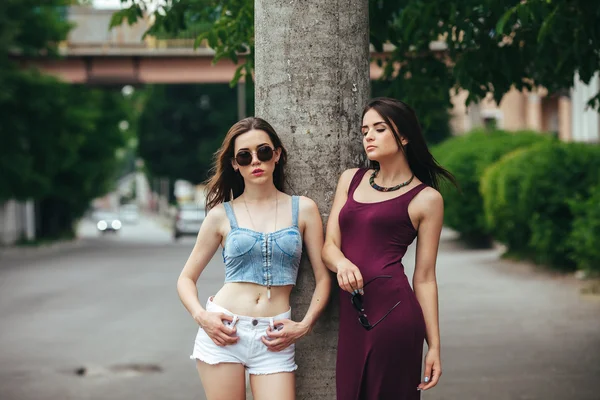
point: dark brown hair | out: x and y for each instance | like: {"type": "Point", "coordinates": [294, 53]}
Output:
{"type": "Point", "coordinates": [402, 120]}
{"type": "Point", "coordinates": [225, 183]}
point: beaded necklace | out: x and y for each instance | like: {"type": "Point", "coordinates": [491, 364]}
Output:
{"type": "Point", "coordinates": [387, 189]}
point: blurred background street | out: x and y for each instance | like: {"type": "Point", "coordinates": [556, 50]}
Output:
{"type": "Point", "coordinates": [102, 320]}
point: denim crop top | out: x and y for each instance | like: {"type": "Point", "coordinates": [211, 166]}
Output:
{"type": "Point", "coordinates": [267, 259]}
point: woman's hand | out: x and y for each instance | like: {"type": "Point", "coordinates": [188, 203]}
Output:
{"type": "Point", "coordinates": [213, 325]}
{"type": "Point", "coordinates": [349, 277]}
{"type": "Point", "coordinates": [286, 333]}
{"type": "Point", "coordinates": [433, 370]}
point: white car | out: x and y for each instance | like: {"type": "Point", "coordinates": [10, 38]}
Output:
{"type": "Point", "coordinates": [188, 220]}
{"type": "Point", "coordinates": [107, 221]}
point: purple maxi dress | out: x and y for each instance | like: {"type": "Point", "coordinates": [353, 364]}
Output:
{"type": "Point", "coordinates": [385, 362]}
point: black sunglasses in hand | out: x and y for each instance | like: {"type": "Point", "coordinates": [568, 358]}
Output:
{"type": "Point", "coordinates": [357, 302]}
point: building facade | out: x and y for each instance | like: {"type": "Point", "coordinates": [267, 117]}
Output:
{"type": "Point", "coordinates": [566, 116]}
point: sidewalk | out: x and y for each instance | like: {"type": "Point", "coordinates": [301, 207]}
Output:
{"type": "Point", "coordinates": [512, 330]}
{"type": "Point", "coordinates": [87, 234]}
{"type": "Point", "coordinates": [39, 250]}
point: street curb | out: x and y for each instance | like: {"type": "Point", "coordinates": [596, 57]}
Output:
{"type": "Point", "coordinates": [11, 251]}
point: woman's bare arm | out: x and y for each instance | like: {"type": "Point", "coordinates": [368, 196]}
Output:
{"type": "Point", "coordinates": [431, 211]}
{"type": "Point", "coordinates": [207, 243]}
{"type": "Point", "coordinates": [348, 276]}
{"type": "Point", "coordinates": [313, 241]}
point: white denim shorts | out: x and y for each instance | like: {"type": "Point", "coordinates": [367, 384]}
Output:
{"type": "Point", "coordinates": [249, 351]}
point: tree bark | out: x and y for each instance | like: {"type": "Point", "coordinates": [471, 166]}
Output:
{"type": "Point", "coordinates": [312, 81]}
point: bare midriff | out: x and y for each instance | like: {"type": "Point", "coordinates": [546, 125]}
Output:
{"type": "Point", "coordinates": [250, 299]}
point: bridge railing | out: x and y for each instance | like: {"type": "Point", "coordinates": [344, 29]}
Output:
{"type": "Point", "coordinates": [91, 32]}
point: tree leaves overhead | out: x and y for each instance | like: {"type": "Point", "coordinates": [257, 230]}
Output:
{"type": "Point", "coordinates": [32, 28]}
{"type": "Point", "coordinates": [227, 27]}
{"type": "Point", "coordinates": [488, 45]}
{"type": "Point", "coordinates": [561, 38]}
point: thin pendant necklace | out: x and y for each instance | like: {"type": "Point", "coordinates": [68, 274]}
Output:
{"type": "Point", "coordinates": [387, 189]}
{"type": "Point", "coordinates": [250, 215]}
{"type": "Point", "coordinates": [266, 239]}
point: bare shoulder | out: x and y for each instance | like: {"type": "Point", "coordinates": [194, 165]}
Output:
{"type": "Point", "coordinates": [429, 199]}
{"type": "Point", "coordinates": [307, 205]}
{"type": "Point", "coordinates": [348, 174]}
{"type": "Point", "coordinates": [216, 215]}
{"type": "Point", "coordinates": [346, 178]}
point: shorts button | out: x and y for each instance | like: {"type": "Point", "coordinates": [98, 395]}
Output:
{"type": "Point", "coordinates": [254, 322]}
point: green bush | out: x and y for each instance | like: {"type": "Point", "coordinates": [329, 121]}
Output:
{"type": "Point", "coordinates": [585, 235]}
{"type": "Point", "coordinates": [467, 157]}
{"type": "Point", "coordinates": [527, 196]}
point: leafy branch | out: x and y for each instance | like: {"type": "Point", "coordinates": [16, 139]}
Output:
{"type": "Point", "coordinates": [227, 27]}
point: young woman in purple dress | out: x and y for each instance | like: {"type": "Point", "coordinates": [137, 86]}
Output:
{"type": "Point", "coordinates": [376, 214]}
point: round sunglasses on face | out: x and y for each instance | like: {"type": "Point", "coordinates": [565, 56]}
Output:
{"type": "Point", "coordinates": [357, 302]}
{"type": "Point", "coordinates": [244, 157]}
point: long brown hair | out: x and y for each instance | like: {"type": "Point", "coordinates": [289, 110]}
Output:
{"type": "Point", "coordinates": [226, 184]}
{"type": "Point", "coordinates": [402, 120]}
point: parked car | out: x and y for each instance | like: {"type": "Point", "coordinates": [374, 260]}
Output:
{"type": "Point", "coordinates": [107, 221]}
{"type": "Point", "coordinates": [188, 219]}
{"type": "Point", "coordinates": [129, 213]}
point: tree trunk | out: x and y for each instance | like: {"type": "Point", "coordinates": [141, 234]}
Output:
{"type": "Point", "coordinates": [312, 81]}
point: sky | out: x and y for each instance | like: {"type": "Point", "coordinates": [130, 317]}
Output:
{"type": "Point", "coordinates": [116, 4]}
{"type": "Point", "coordinates": [110, 4]}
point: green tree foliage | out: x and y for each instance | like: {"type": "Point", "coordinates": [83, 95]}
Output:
{"type": "Point", "coordinates": [227, 26]}
{"type": "Point", "coordinates": [585, 236]}
{"type": "Point", "coordinates": [490, 45]}
{"type": "Point", "coordinates": [467, 157]}
{"type": "Point", "coordinates": [91, 127]}
{"type": "Point", "coordinates": [553, 39]}
{"type": "Point", "coordinates": [30, 27]}
{"type": "Point", "coordinates": [528, 199]}
{"type": "Point", "coordinates": [59, 141]}
{"type": "Point", "coordinates": [59, 144]}
{"type": "Point", "coordinates": [181, 127]}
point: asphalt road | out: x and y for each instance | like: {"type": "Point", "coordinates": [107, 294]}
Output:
{"type": "Point", "coordinates": [100, 319]}
{"type": "Point", "coordinates": [107, 304]}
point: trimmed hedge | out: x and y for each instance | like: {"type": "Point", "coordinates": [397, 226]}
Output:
{"type": "Point", "coordinates": [528, 195]}
{"type": "Point", "coordinates": [585, 236]}
{"type": "Point", "coordinates": [467, 157]}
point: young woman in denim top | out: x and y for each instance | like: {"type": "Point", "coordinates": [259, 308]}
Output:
{"type": "Point", "coordinates": [246, 325]}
